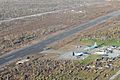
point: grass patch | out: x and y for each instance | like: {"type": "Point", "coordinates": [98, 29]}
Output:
{"type": "Point", "coordinates": [111, 42]}
{"type": "Point", "coordinates": [90, 59]}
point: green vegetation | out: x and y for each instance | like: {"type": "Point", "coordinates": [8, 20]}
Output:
{"type": "Point", "coordinates": [90, 59]}
{"type": "Point", "coordinates": [113, 42]}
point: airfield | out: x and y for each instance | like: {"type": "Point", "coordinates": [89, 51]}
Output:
{"type": "Point", "coordinates": [66, 40]}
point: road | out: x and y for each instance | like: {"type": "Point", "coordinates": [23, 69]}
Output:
{"type": "Point", "coordinates": [49, 12]}
{"type": "Point", "coordinates": [36, 48]}
{"type": "Point", "coordinates": [30, 16]}
{"type": "Point", "coordinates": [115, 75]}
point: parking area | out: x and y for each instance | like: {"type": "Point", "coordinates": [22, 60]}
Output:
{"type": "Point", "coordinates": [69, 55]}
{"type": "Point", "coordinates": [80, 52]}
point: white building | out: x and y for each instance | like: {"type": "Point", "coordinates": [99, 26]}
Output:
{"type": "Point", "coordinates": [22, 61]}
{"type": "Point", "coordinates": [101, 52]}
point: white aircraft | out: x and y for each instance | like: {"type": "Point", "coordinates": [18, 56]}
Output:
{"type": "Point", "coordinates": [79, 53]}
{"type": "Point", "coordinates": [92, 47]}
